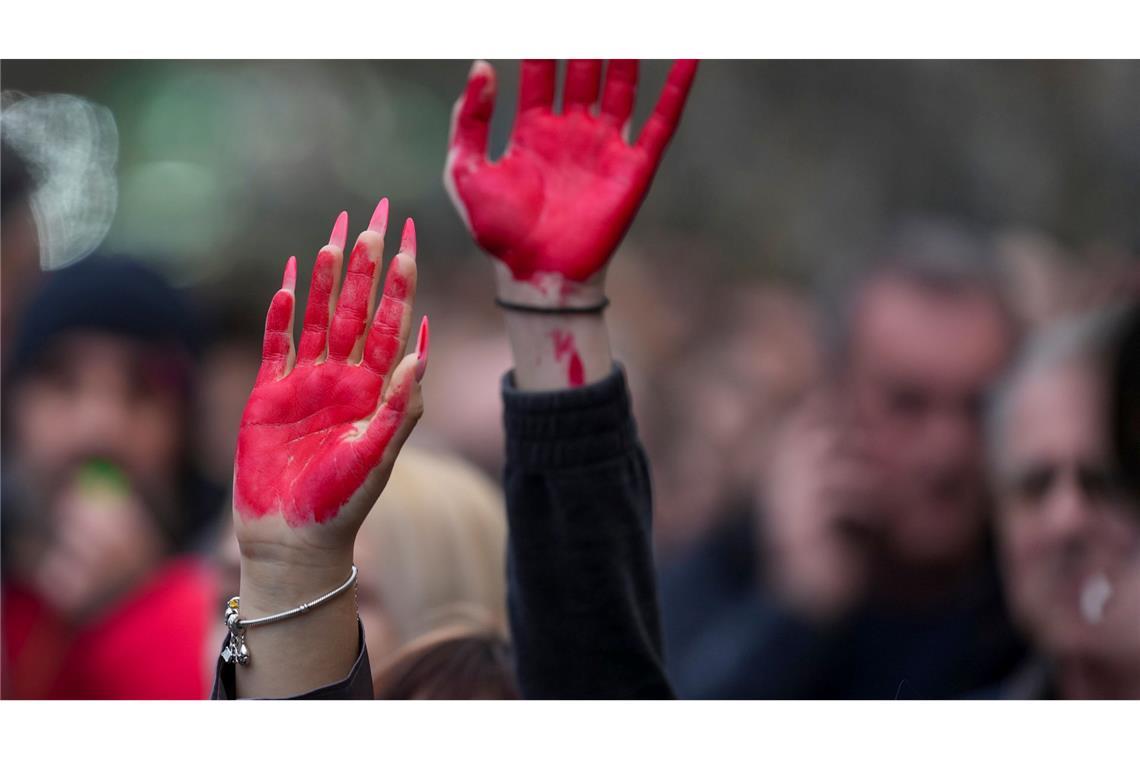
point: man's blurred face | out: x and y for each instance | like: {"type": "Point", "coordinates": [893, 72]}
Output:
{"type": "Point", "coordinates": [922, 359]}
{"type": "Point", "coordinates": [1067, 538]}
{"type": "Point", "coordinates": [94, 395]}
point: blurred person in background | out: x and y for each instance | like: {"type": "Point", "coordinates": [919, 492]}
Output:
{"type": "Point", "coordinates": [101, 501]}
{"type": "Point", "coordinates": [705, 456]}
{"type": "Point", "coordinates": [456, 662]}
{"type": "Point", "coordinates": [1069, 532]}
{"type": "Point", "coordinates": [432, 554]}
{"type": "Point", "coordinates": [865, 568]}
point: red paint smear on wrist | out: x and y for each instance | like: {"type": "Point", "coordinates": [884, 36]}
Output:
{"type": "Point", "coordinates": [565, 348]}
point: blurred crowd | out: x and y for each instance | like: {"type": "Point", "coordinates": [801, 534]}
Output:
{"type": "Point", "coordinates": [889, 479]}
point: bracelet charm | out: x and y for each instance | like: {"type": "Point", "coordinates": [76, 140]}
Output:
{"type": "Point", "coordinates": [235, 649]}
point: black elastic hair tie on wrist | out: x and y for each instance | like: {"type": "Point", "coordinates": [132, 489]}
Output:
{"type": "Point", "coordinates": [528, 309]}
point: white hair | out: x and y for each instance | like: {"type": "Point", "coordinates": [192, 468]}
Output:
{"type": "Point", "coordinates": [1085, 340]}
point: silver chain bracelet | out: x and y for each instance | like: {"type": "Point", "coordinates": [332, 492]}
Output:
{"type": "Point", "coordinates": [236, 649]}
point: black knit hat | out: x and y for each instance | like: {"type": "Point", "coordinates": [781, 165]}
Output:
{"type": "Point", "coordinates": [105, 293]}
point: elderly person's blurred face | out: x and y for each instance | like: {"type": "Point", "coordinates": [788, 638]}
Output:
{"type": "Point", "coordinates": [1067, 539]}
{"type": "Point", "coordinates": [921, 362]}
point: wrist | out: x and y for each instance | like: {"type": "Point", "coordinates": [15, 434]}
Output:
{"type": "Point", "coordinates": [304, 652]}
{"type": "Point", "coordinates": [274, 581]}
{"type": "Point", "coordinates": [558, 351]}
{"type": "Point", "coordinates": [549, 289]}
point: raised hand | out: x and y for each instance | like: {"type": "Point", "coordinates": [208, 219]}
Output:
{"type": "Point", "coordinates": [555, 206]}
{"type": "Point", "coordinates": [316, 445]}
{"type": "Point", "coordinates": [323, 425]}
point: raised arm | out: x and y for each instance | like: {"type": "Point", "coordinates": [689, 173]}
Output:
{"type": "Point", "coordinates": [550, 212]}
{"type": "Point", "coordinates": [317, 442]}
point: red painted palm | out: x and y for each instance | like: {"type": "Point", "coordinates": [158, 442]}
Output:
{"type": "Point", "coordinates": [319, 434]}
{"type": "Point", "coordinates": [566, 189]}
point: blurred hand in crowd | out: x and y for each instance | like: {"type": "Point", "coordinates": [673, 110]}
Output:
{"type": "Point", "coordinates": [819, 516]}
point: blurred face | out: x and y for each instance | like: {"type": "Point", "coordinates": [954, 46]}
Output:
{"type": "Point", "coordinates": [921, 362]}
{"type": "Point", "coordinates": [96, 395]}
{"type": "Point", "coordinates": [1068, 542]}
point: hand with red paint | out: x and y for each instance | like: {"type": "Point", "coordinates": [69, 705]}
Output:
{"type": "Point", "coordinates": [552, 210]}
{"type": "Point", "coordinates": [317, 442]}
{"type": "Point", "coordinates": [554, 207]}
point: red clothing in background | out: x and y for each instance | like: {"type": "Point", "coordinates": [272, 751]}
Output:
{"type": "Point", "coordinates": [150, 644]}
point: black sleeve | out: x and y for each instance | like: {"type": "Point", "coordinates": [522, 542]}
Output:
{"type": "Point", "coordinates": [581, 589]}
{"type": "Point", "coordinates": [356, 685]}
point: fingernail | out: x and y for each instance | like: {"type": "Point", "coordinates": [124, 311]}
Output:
{"type": "Point", "coordinates": [289, 281]}
{"type": "Point", "coordinates": [408, 240]}
{"type": "Point", "coordinates": [379, 221]}
{"type": "Point", "coordinates": [482, 70]}
{"type": "Point", "coordinates": [423, 345]}
{"type": "Point", "coordinates": [340, 231]}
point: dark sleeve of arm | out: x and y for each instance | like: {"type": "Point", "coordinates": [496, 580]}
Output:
{"type": "Point", "coordinates": [582, 595]}
{"type": "Point", "coordinates": [356, 685]}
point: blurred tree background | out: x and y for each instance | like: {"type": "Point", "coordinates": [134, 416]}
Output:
{"type": "Point", "coordinates": [778, 166]}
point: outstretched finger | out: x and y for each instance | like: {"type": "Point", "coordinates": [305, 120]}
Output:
{"type": "Point", "coordinates": [389, 331]}
{"type": "Point", "coordinates": [619, 94]}
{"type": "Point", "coordinates": [401, 408]}
{"type": "Point", "coordinates": [536, 85]}
{"type": "Point", "coordinates": [322, 295]}
{"type": "Point", "coordinates": [277, 346]}
{"type": "Point", "coordinates": [471, 118]}
{"type": "Point", "coordinates": [358, 291]}
{"type": "Point", "coordinates": [581, 91]}
{"type": "Point", "coordinates": [666, 115]}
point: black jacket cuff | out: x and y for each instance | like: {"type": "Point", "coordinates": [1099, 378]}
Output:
{"type": "Point", "coordinates": [356, 685]}
{"type": "Point", "coordinates": [568, 428]}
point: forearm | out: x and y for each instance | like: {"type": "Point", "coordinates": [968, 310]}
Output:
{"type": "Point", "coordinates": [551, 212]}
{"type": "Point", "coordinates": [582, 594]}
